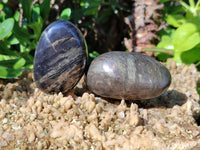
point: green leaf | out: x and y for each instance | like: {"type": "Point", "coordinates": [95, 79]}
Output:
{"type": "Point", "coordinates": [6, 27]}
{"type": "Point", "coordinates": [25, 49]}
{"type": "Point", "coordinates": [6, 72]}
{"type": "Point", "coordinates": [168, 31]}
{"type": "Point", "coordinates": [7, 57]}
{"type": "Point", "coordinates": [163, 56]}
{"type": "Point", "coordinates": [105, 16]}
{"type": "Point", "coordinates": [28, 58]}
{"type": "Point", "coordinates": [66, 13]}
{"type": "Point", "coordinates": [189, 15]}
{"type": "Point", "coordinates": [28, 67]}
{"type": "Point", "coordinates": [11, 68]}
{"type": "Point", "coordinates": [5, 51]}
{"type": "Point", "coordinates": [35, 13]}
{"type": "Point", "coordinates": [15, 63]}
{"type": "Point", "coordinates": [175, 20]}
{"type": "Point", "coordinates": [90, 7]}
{"type": "Point", "coordinates": [91, 11]}
{"type": "Point", "coordinates": [186, 37]}
{"type": "Point", "coordinates": [166, 42]}
{"type": "Point", "coordinates": [198, 91]}
{"type": "Point", "coordinates": [22, 34]}
{"type": "Point", "coordinates": [191, 56]}
{"type": "Point", "coordinates": [13, 41]}
{"type": "Point", "coordinates": [1, 7]}
{"type": "Point", "coordinates": [16, 16]}
{"type": "Point", "coordinates": [37, 28]}
{"type": "Point", "coordinates": [26, 6]}
{"type": "Point", "coordinates": [94, 54]}
{"type": "Point", "coordinates": [195, 20]}
{"type": "Point", "coordinates": [44, 9]}
{"type": "Point", "coordinates": [19, 63]}
{"type": "Point", "coordinates": [8, 11]}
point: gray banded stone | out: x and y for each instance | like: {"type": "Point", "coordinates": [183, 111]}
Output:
{"type": "Point", "coordinates": [124, 75]}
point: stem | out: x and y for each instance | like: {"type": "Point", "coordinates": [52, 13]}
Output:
{"type": "Point", "coordinates": [197, 5]}
{"type": "Point", "coordinates": [177, 58]}
{"type": "Point", "coordinates": [197, 64]}
{"type": "Point", "coordinates": [192, 4]}
{"type": "Point", "coordinates": [189, 8]}
{"type": "Point", "coordinates": [185, 5]}
{"type": "Point", "coordinates": [162, 50]}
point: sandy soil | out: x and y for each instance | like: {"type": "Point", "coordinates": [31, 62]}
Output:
{"type": "Point", "coordinates": [31, 119]}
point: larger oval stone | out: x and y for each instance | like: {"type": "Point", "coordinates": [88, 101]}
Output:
{"type": "Point", "coordinates": [124, 75]}
{"type": "Point", "coordinates": [60, 57]}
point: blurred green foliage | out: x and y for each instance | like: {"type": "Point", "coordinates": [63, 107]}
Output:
{"type": "Point", "coordinates": [182, 36]}
{"type": "Point", "coordinates": [20, 32]}
{"type": "Point", "coordinates": [19, 37]}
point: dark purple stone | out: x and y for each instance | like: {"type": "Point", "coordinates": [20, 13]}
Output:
{"type": "Point", "coordinates": [60, 57]}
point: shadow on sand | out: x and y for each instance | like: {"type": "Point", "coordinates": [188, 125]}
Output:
{"type": "Point", "coordinates": [167, 100]}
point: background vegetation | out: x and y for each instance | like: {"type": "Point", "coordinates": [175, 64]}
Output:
{"type": "Point", "coordinates": [22, 24]}
{"type": "Point", "coordinates": [182, 35]}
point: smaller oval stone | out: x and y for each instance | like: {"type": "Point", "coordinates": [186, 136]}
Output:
{"type": "Point", "coordinates": [60, 57]}
{"type": "Point", "coordinates": [124, 75]}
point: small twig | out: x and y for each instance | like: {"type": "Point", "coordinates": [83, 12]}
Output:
{"type": "Point", "coordinates": [20, 15]}
{"type": "Point", "coordinates": [197, 64]}
{"type": "Point", "coordinates": [162, 50]}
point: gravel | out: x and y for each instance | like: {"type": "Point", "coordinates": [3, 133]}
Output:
{"type": "Point", "coordinates": [31, 119]}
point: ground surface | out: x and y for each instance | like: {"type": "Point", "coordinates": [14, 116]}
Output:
{"type": "Point", "coordinates": [31, 119]}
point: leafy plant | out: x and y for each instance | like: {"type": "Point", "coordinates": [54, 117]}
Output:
{"type": "Point", "coordinates": [25, 23]}
{"type": "Point", "coordinates": [95, 18]}
{"type": "Point", "coordinates": [182, 37]}
{"type": "Point", "coordinates": [19, 37]}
